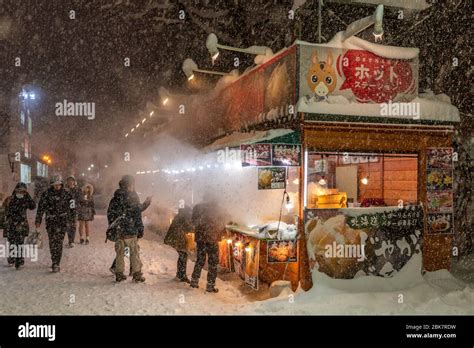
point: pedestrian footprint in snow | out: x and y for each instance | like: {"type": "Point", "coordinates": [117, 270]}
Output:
{"type": "Point", "coordinates": [177, 238]}
{"type": "Point", "coordinates": [59, 207]}
{"type": "Point", "coordinates": [124, 215]}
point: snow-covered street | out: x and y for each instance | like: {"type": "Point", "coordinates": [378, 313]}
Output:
{"type": "Point", "coordinates": [86, 287]}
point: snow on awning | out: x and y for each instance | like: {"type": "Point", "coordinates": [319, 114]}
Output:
{"type": "Point", "coordinates": [237, 138]}
{"type": "Point", "coordinates": [355, 43]}
{"type": "Point", "coordinates": [425, 107]}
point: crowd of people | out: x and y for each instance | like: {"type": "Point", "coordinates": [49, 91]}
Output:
{"type": "Point", "coordinates": [65, 207]}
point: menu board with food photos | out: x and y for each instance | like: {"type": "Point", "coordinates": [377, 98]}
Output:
{"type": "Point", "coordinates": [264, 155]}
{"type": "Point", "coordinates": [286, 155]}
{"type": "Point", "coordinates": [439, 187]}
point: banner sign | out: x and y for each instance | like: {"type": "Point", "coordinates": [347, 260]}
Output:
{"type": "Point", "coordinates": [439, 187]}
{"type": "Point", "coordinates": [252, 262]}
{"type": "Point", "coordinates": [360, 76]}
{"type": "Point", "coordinates": [379, 241]}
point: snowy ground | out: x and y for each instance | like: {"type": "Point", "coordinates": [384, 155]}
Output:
{"type": "Point", "coordinates": [85, 286]}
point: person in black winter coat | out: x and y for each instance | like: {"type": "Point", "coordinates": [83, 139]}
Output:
{"type": "Point", "coordinates": [176, 237]}
{"type": "Point", "coordinates": [16, 225]}
{"type": "Point", "coordinates": [209, 226]}
{"type": "Point", "coordinates": [59, 207]}
{"type": "Point", "coordinates": [75, 191]}
{"type": "Point", "coordinates": [126, 203]}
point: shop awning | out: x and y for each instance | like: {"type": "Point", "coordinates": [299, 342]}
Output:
{"type": "Point", "coordinates": [280, 135]}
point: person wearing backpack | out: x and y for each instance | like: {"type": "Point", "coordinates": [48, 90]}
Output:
{"type": "Point", "coordinates": [16, 221]}
{"type": "Point", "coordinates": [58, 206]}
{"type": "Point", "coordinates": [126, 207]}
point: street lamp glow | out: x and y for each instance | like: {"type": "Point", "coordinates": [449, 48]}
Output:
{"type": "Point", "coordinates": [92, 166]}
{"type": "Point", "coordinates": [151, 113]}
{"type": "Point", "coordinates": [165, 101]}
{"type": "Point", "coordinates": [126, 135]}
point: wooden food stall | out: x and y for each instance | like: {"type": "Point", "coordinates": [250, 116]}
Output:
{"type": "Point", "coordinates": [375, 166]}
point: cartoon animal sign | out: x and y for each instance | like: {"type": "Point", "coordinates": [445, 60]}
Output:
{"type": "Point", "coordinates": [321, 76]}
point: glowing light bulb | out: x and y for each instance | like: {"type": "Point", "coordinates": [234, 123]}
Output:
{"type": "Point", "coordinates": [229, 241]}
{"type": "Point", "coordinates": [165, 101]}
{"type": "Point", "coordinates": [365, 181]}
{"type": "Point", "coordinates": [190, 77]}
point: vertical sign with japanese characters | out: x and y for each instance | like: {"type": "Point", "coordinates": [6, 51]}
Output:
{"type": "Point", "coordinates": [439, 187]}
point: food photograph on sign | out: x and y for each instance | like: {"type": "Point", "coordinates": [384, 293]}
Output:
{"type": "Point", "coordinates": [440, 223]}
{"type": "Point", "coordinates": [286, 155]}
{"type": "Point", "coordinates": [256, 154]}
{"type": "Point", "coordinates": [439, 179]}
{"type": "Point", "coordinates": [440, 201]}
{"type": "Point", "coordinates": [281, 251]}
{"type": "Point", "coordinates": [271, 178]}
{"type": "Point", "coordinates": [440, 158]}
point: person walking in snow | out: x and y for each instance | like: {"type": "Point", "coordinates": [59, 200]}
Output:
{"type": "Point", "coordinates": [16, 222]}
{"type": "Point", "coordinates": [209, 224]}
{"type": "Point", "coordinates": [85, 211]}
{"type": "Point", "coordinates": [75, 191]}
{"type": "Point", "coordinates": [126, 204]}
{"type": "Point", "coordinates": [176, 237]}
{"type": "Point", "coordinates": [58, 205]}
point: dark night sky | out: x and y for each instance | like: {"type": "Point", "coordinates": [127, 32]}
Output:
{"type": "Point", "coordinates": [82, 59]}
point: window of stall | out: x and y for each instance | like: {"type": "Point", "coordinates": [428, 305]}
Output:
{"type": "Point", "coordinates": [352, 179]}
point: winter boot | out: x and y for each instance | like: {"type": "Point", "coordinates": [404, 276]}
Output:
{"type": "Point", "coordinates": [56, 268]}
{"type": "Point", "coordinates": [120, 277]}
{"type": "Point", "coordinates": [183, 279]}
{"type": "Point", "coordinates": [138, 277]}
{"type": "Point", "coordinates": [112, 270]}
{"type": "Point", "coordinates": [19, 264]}
{"type": "Point", "coordinates": [212, 289]}
{"type": "Point", "coordinates": [87, 240]}
{"type": "Point", "coordinates": [194, 283]}
{"type": "Point", "coordinates": [82, 240]}
{"type": "Point", "coordinates": [11, 261]}
{"type": "Point", "coordinates": [71, 244]}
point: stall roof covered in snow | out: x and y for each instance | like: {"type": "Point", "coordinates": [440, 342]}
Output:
{"type": "Point", "coordinates": [426, 107]}
{"type": "Point", "coordinates": [237, 138]}
{"type": "Point", "coordinates": [355, 43]}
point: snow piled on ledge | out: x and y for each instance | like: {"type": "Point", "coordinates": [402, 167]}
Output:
{"type": "Point", "coordinates": [355, 43]}
{"type": "Point", "coordinates": [432, 107]}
